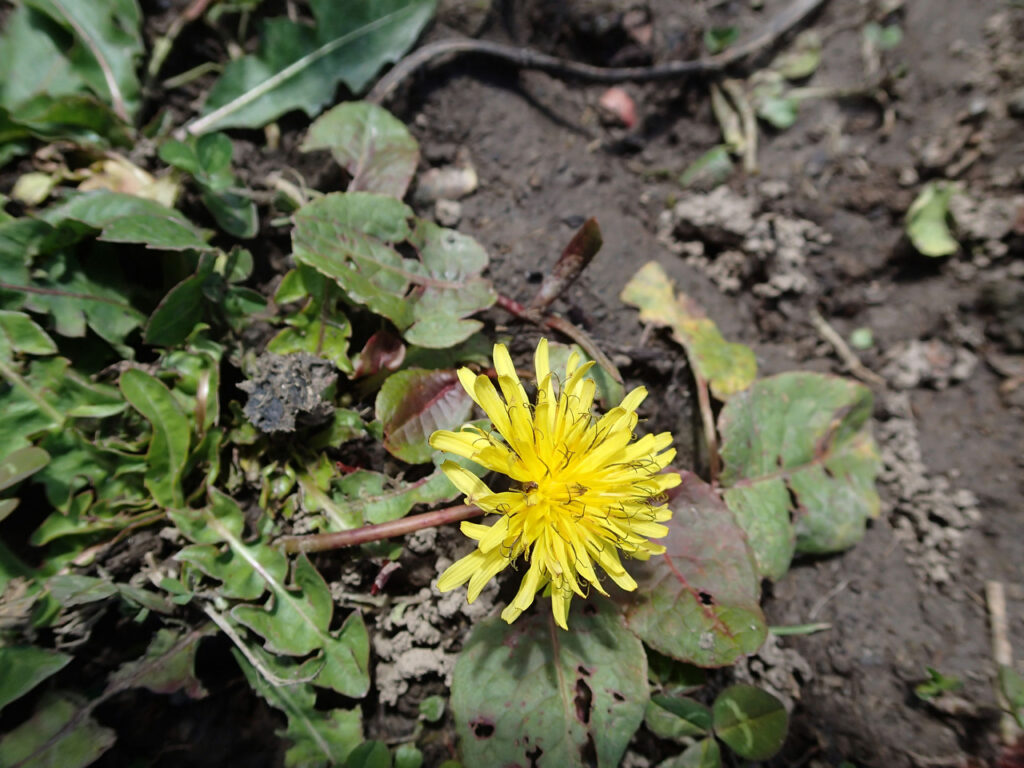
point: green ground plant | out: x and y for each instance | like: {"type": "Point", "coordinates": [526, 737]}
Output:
{"type": "Point", "coordinates": [124, 324]}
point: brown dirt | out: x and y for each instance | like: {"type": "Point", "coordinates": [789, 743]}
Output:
{"type": "Point", "coordinates": [545, 162]}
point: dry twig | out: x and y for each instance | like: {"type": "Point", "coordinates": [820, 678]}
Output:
{"type": "Point", "coordinates": [526, 58]}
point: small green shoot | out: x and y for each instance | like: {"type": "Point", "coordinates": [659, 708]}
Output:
{"type": "Point", "coordinates": [936, 685]}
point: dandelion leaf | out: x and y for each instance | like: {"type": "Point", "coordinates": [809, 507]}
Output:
{"type": "Point", "coordinates": [296, 617]}
{"type": "Point", "coordinates": [413, 403]}
{"type": "Point", "coordinates": [699, 602]}
{"type": "Point", "coordinates": [529, 694]}
{"type": "Point", "coordinates": [370, 143]}
{"type": "Point", "coordinates": [800, 465]}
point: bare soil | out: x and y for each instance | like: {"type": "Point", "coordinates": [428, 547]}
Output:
{"type": "Point", "coordinates": [911, 594]}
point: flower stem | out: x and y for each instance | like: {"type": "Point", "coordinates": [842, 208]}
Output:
{"type": "Point", "coordinates": [321, 542]}
{"type": "Point", "coordinates": [563, 326]}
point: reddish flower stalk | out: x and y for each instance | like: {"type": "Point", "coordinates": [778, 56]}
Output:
{"type": "Point", "coordinates": [321, 542]}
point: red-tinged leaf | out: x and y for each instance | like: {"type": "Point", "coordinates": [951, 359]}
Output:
{"type": "Point", "coordinates": [415, 402]}
{"type": "Point", "coordinates": [577, 255]}
{"type": "Point", "coordinates": [699, 602]}
{"type": "Point", "coordinates": [382, 351]}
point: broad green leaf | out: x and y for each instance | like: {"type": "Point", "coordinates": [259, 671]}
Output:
{"type": "Point", "coordinates": [181, 155]}
{"type": "Point", "coordinates": [704, 754]}
{"type": "Point", "coordinates": [408, 756]}
{"type": "Point", "coordinates": [23, 667]}
{"type": "Point", "coordinates": [56, 735]}
{"type": "Point", "coordinates": [163, 233]}
{"type": "Point", "coordinates": [699, 602]}
{"type": "Point", "coordinates": [317, 737]}
{"type": "Point", "coordinates": [295, 621]}
{"type": "Point", "coordinates": [528, 693]}
{"type": "Point", "coordinates": [167, 666]}
{"type": "Point", "coordinates": [348, 237]}
{"type": "Point", "coordinates": [780, 113]}
{"type": "Point", "coordinates": [369, 754]}
{"type": "Point", "coordinates": [71, 589]}
{"type": "Point", "coordinates": [23, 463]}
{"type": "Point", "coordinates": [126, 218]}
{"type": "Point", "coordinates": [364, 496]}
{"type": "Point", "coordinates": [798, 447]}
{"type": "Point", "coordinates": [234, 213]}
{"type": "Point", "coordinates": [168, 447]}
{"type": "Point", "coordinates": [299, 66]}
{"type": "Point", "coordinates": [374, 147]}
{"type": "Point", "coordinates": [764, 513]}
{"type": "Point", "coordinates": [180, 310]}
{"type": "Point", "coordinates": [42, 94]}
{"type": "Point", "coordinates": [751, 721]}
{"type": "Point", "coordinates": [351, 237]}
{"type": "Point", "coordinates": [208, 160]}
{"type": "Point", "coordinates": [14, 468]}
{"type": "Point", "coordinates": [771, 100]}
{"type": "Point", "coordinates": [19, 333]}
{"type": "Point", "coordinates": [432, 708]}
{"type": "Point", "coordinates": [452, 289]}
{"type": "Point", "coordinates": [321, 327]}
{"type": "Point", "coordinates": [413, 403]}
{"type": "Point", "coordinates": [231, 565]}
{"type": "Point", "coordinates": [214, 152]}
{"type": "Point", "coordinates": [108, 41]}
{"type": "Point", "coordinates": [709, 170]}
{"type": "Point", "coordinates": [728, 367]}
{"type": "Point", "coordinates": [79, 118]}
{"type": "Point", "coordinates": [45, 396]}
{"type": "Point", "coordinates": [77, 294]}
{"type": "Point", "coordinates": [671, 717]}
{"type": "Point", "coordinates": [802, 58]}
{"type": "Point", "coordinates": [927, 225]}
{"type": "Point", "coordinates": [32, 60]}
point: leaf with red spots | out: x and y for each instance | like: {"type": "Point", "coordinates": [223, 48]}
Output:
{"type": "Point", "coordinates": [529, 694]}
{"type": "Point", "coordinates": [698, 602]}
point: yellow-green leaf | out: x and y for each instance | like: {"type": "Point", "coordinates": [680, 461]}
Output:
{"type": "Point", "coordinates": [726, 366]}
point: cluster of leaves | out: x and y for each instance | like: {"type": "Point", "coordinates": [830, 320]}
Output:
{"type": "Point", "coordinates": [123, 322]}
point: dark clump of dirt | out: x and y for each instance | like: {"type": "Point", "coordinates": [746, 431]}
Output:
{"type": "Point", "coordinates": [288, 389]}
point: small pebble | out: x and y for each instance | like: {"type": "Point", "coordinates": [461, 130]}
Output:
{"type": "Point", "coordinates": [448, 213]}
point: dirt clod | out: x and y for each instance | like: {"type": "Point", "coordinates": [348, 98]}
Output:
{"type": "Point", "coordinates": [288, 389]}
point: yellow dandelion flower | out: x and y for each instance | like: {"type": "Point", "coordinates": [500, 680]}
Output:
{"type": "Point", "coordinates": [583, 489]}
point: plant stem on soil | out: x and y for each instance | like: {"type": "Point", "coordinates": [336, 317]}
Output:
{"type": "Point", "coordinates": [322, 542]}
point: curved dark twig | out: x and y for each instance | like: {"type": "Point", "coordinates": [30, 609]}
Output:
{"type": "Point", "coordinates": [526, 58]}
